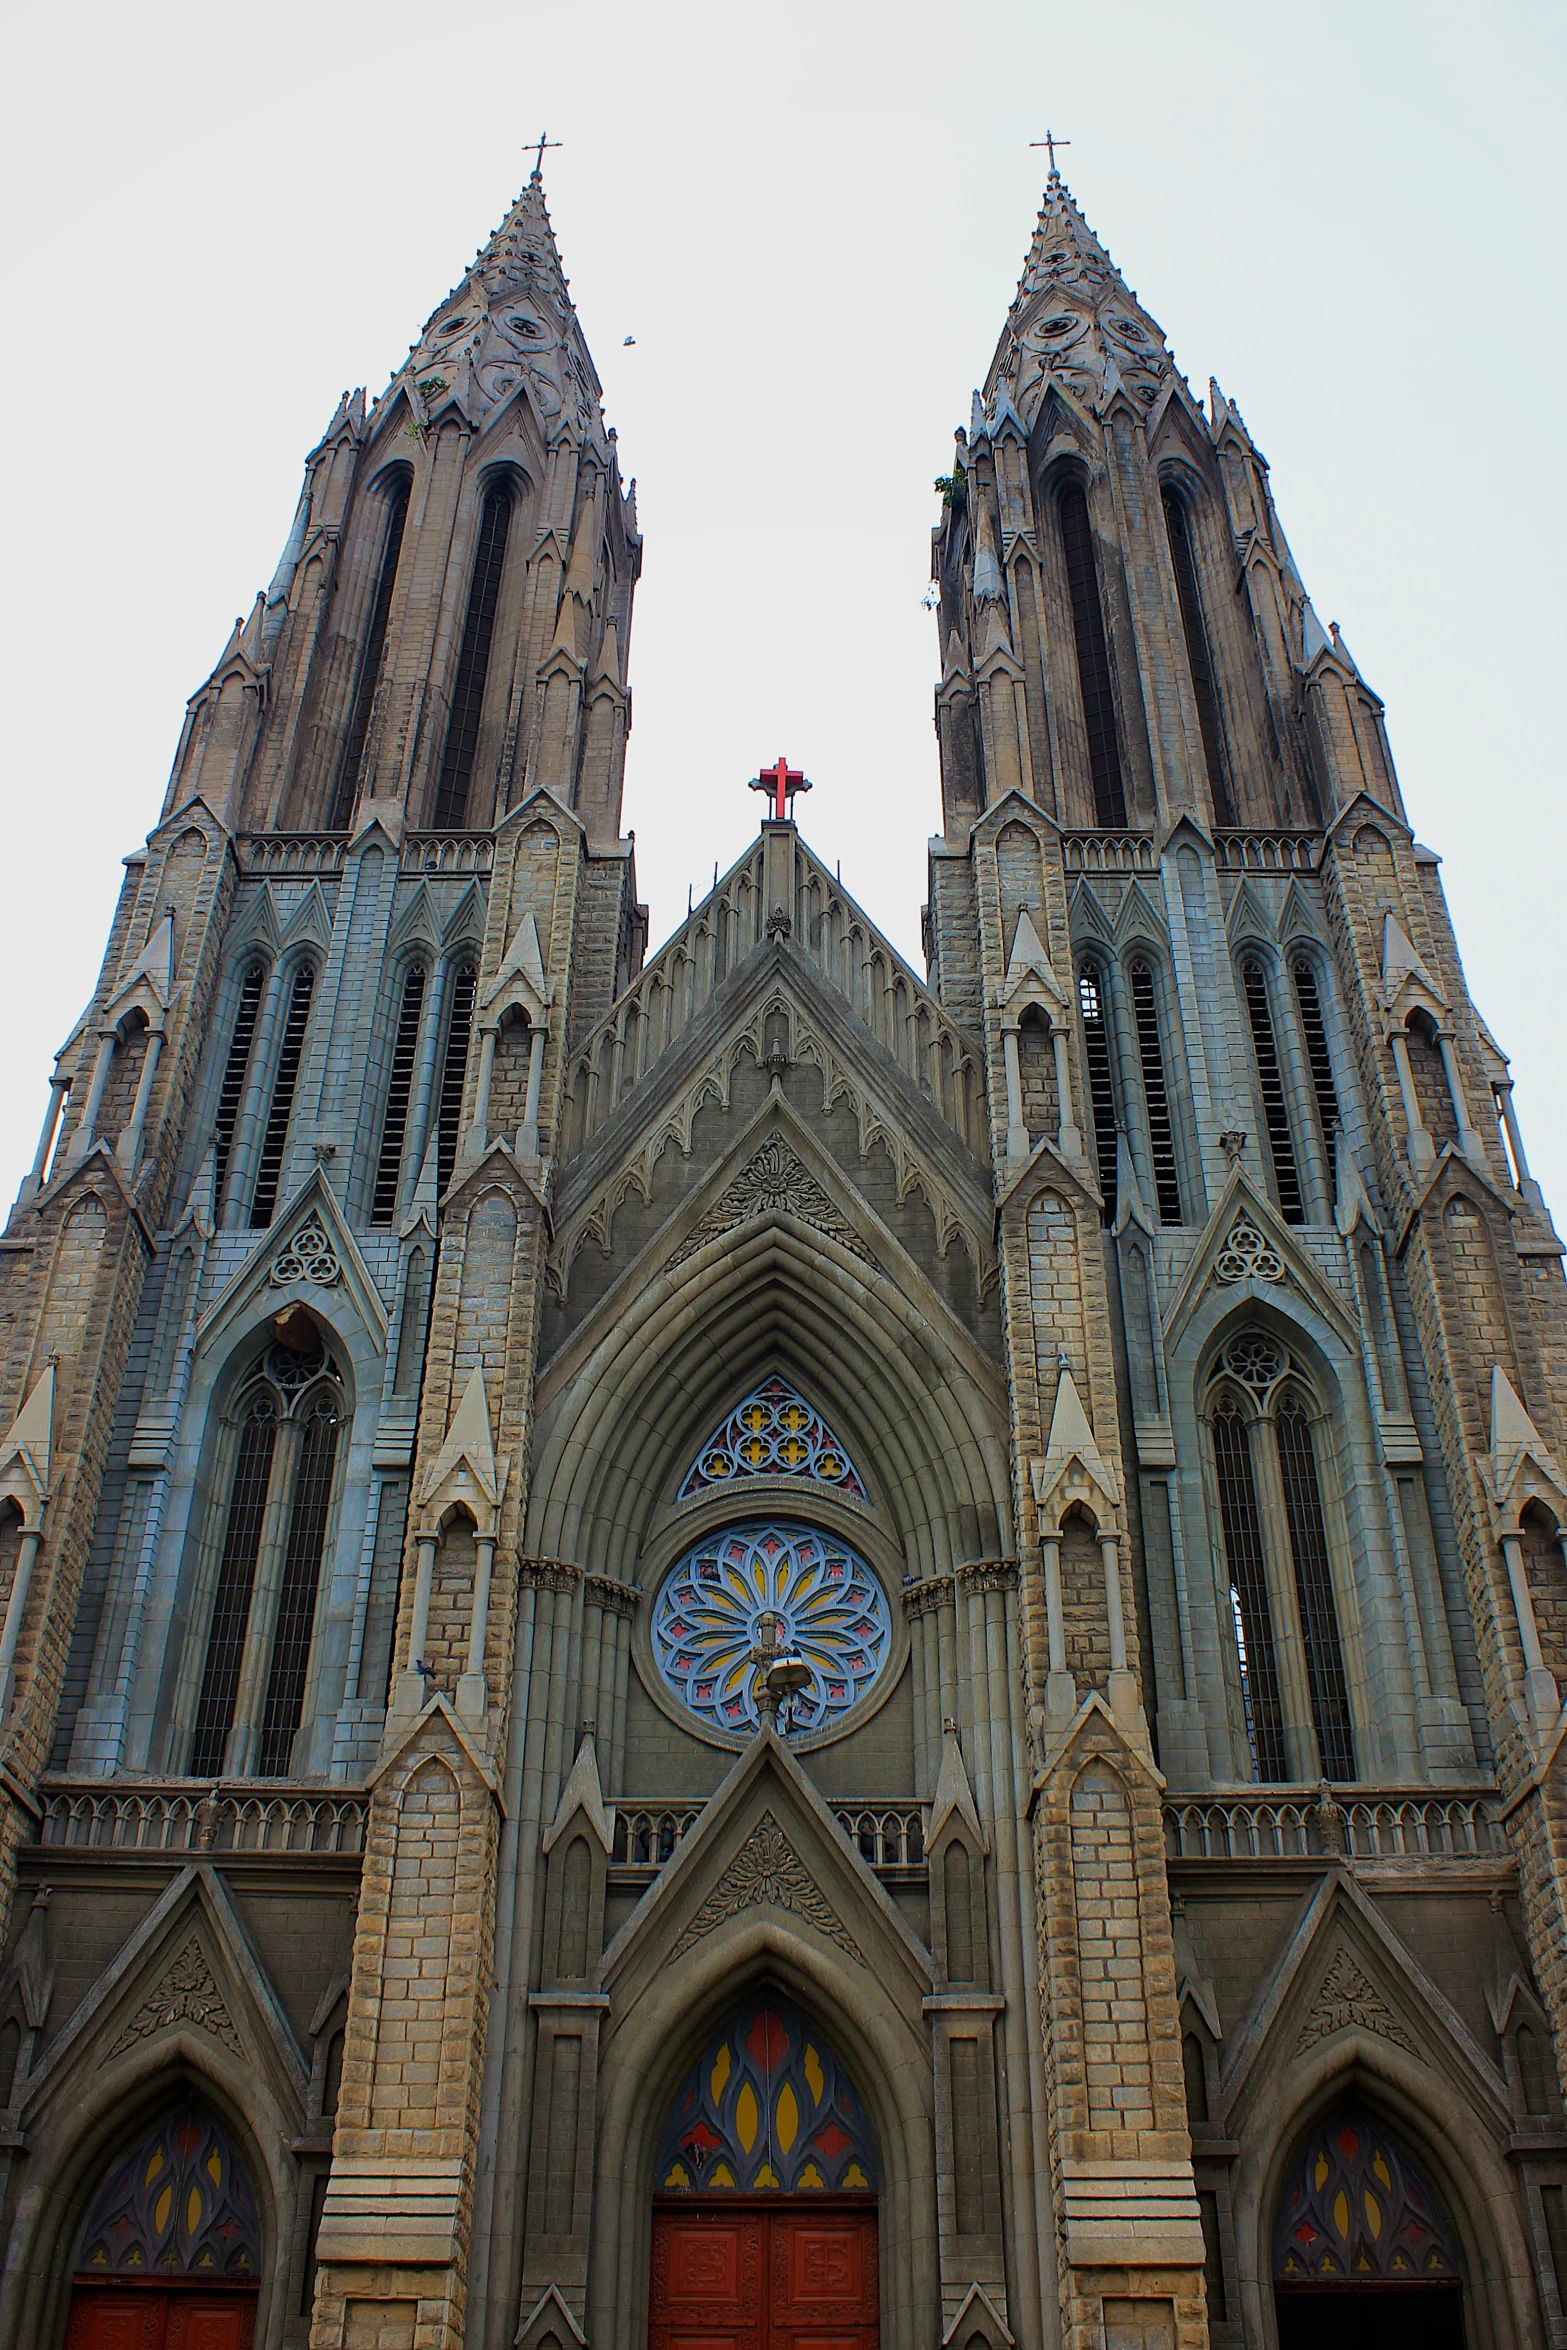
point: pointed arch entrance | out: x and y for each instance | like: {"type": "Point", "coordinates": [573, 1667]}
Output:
{"type": "Point", "coordinates": [170, 2255]}
{"type": "Point", "coordinates": [764, 2217]}
{"type": "Point", "coordinates": [1362, 2250]}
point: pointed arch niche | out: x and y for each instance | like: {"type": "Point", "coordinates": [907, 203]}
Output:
{"type": "Point", "coordinates": [172, 2243]}
{"type": "Point", "coordinates": [767, 2107]}
{"type": "Point", "coordinates": [1360, 2240]}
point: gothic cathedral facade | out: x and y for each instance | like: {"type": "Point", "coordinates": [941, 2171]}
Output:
{"type": "Point", "coordinates": [742, 1650]}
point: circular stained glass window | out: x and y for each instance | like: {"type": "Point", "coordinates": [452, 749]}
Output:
{"type": "Point", "coordinates": [827, 1606]}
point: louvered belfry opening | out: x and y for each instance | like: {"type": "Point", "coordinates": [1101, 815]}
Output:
{"type": "Point", "coordinates": [1161, 1132]}
{"type": "Point", "coordinates": [1101, 1092]}
{"type": "Point", "coordinates": [370, 665]}
{"type": "Point", "coordinates": [1314, 1592]}
{"type": "Point", "coordinates": [454, 1069]}
{"type": "Point", "coordinates": [269, 1170]}
{"type": "Point", "coordinates": [1275, 1109]}
{"type": "Point", "coordinates": [383, 1205]}
{"type": "Point", "coordinates": [1204, 692]}
{"type": "Point", "coordinates": [1093, 658]}
{"type": "Point", "coordinates": [236, 1068]}
{"type": "Point", "coordinates": [1324, 1091]}
{"type": "Point", "coordinates": [473, 661]}
{"type": "Point", "coordinates": [1242, 1527]}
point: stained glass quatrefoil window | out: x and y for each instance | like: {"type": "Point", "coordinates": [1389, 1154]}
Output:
{"type": "Point", "coordinates": [827, 1604]}
{"type": "Point", "coordinates": [773, 1433]}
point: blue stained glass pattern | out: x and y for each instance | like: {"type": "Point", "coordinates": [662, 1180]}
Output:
{"type": "Point", "coordinates": [774, 1433]}
{"type": "Point", "coordinates": [767, 2105]}
{"type": "Point", "coordinates": [1356, 2210]}
{"type": "Point", "coordinates": [831, 1611]}
{"type": "Point", "coordinates": [180, 2204]}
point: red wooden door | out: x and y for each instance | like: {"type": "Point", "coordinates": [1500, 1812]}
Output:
{"type": "Point", "coordinates": [763, 2273]}
{"type": "Point", "coordinates": [150, 2317]}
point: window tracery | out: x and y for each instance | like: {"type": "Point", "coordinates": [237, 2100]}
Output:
{"type": "Point", "coordinates": [773, 1433]}
{"type": "Point", "coordinates": [823, 1603]}
{"type": "Point", "coordinates": [1273, 1525]}
{"type": "Point", "coordinates": [284, 1442]}
{"type": "Point", "coordinates": [179, 2204]}
{"type": "Point", "coordinates": [1356, 2209]}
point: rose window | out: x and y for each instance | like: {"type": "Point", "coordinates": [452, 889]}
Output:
{"type": "Point", "coordinates": [821, 1601]}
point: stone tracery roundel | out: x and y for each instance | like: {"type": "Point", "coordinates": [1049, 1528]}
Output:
{"type": "Point", "coordinates": [828, 1607]}
{"type": "Point", "coordinates": [1248, 1255]}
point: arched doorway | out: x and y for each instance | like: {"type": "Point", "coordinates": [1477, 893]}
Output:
{"type": "Point", "coordinates": [171, 2252]}
{"type": "Point", "coordinates": [1362, 2253]}
{"type": "Point", "coordinates": [764, 2218]}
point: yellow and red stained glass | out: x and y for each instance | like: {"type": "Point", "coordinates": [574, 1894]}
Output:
{"type": "Point", "coordinates": [767, 2106]}
{"type": "Point", "coordinates": [1355, 2210]}
{"type": "Point", "coordinates": [773, 1433]}
{"type": "Point", "coordinates": [180, 2204]}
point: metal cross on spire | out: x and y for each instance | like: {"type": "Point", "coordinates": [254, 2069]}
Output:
{"type": "Point", "coordinates": [780, 782]}
{"type": "Point", "coordinates": [1051, 142]}
{"type": "Point", "coordinates": [544, 141]}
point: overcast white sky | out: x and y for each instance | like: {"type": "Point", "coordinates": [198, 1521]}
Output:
{"type": "Point", "coordinates": [811, 217]}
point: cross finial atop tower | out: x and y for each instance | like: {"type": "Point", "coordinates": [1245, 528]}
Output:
{"type": "Point", "coordinates": [544, 141]}
{"type": "Point", "coordinates": [781, 782]}
{"type": "Point", "coordinates": [1051, 142]}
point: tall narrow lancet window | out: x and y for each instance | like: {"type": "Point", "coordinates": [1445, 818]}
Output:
{"type": "Point", "coordinates": [301, 1579]}
{"type": "Point", "coordinates": [473, 661]}
{"type": "Point", "coordinates": [256, 1668]}
{"type": "Point", "coordinates": [454, 1069]}
{"type": "Point", "coordinates": [1314, 1592]}
{"type": "Point", "coordinates": [1156, 1097]}
{"type": "Point", "coordinates": [1324, 1092]}
{"type": "Point", "coordinates": [1242, 1527]}
{"type": "Point", "coordinates": [1275, 1109]}
{"type": "Point", "coordinates": [370, 664]}
{"type": "Point", "coordinates": [383, 1204]}
{"type": "Point", "coordinates": [1093, 658]}
{"type": "Point", "coordinates": [269, 1168]}
{"type": "Point", "coordinates": [1178, 529]}
{"type": "Point", "coordinates": [1101, 1093]}
{"type": "Point", "coordinates": [236, 1582]}
{"type": "Point", "coordinates": [236, 1067]}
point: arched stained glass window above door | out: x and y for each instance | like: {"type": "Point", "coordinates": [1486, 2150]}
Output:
{"type": "Point", "coordinates": [774, 1433]}
{"type": "Point", "coordinates": [179, 2204]}
{"type": "Point", "coordinates": [768, 2106]}
{"type": "Point", "coordinates": [826, 1606]}
{"type": "Point", "coordinates": [1355, 2211]}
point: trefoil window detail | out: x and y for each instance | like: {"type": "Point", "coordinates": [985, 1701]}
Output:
{"type": "Point", "coordinates": [473, 661]}
{"type": "Point", "coordinates": [773, 1433]}
{"type": "Point", "coordinates": [1093, 658]}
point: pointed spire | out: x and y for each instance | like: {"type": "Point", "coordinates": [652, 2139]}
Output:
{"type": "Point", "coordinates": [1075, 322]}
{"type": "Point", "coordinates": [953, 1792]}
{"type": "Point", "coordinates": [583, 1792]}
{"type": "Point", "coordinates": [287, 565]}
{"type": "Point", "coordinates": [1130, 1205]}
{"type": "Point", "coordinates": [1027, 954]}
{"type": "Point", "coordinates": [607, 660]}
{"type": "Point", "coordinates": [155, 963]}
{"type": "Point", "coordinates": [1402, 966]}
{"type": "Point", "coordinates": [1073, 1465]}
{"type": "Point", "coordinates": [521, 977]}
{"type": "Point", "coordinates": [427, 1191]}
{"type": "Point", "coordinates": [468, 1442]}
{"type": "Point", "coordinates": [1314, 637]}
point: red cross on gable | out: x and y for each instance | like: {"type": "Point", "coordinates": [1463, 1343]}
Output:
{"type": "Point", "coordinates": [780, 783]}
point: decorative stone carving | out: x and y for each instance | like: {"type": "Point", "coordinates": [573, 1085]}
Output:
{"type": "Point", "coordinates": [923, 1598]}
{"type": "Point", "coordinates": [1347, 1998]}
{"type": "Point", "coordinates": [773, 1182]}
{"type": "Point", "coordinates": [617, 1599]}
{"type": "Point", "coordinates": [548, 1574]}
{"type": "Point", "coordinates": [1247, 1255]}
{"type": "Point", "coordinates": [988, 1575]}
{"type": "Point", "coordinates": [767, 1872]}
{"type": "Point", "coordinates": [186, 1995]}
{"type": "Point", "coordinates": [309, 1256]}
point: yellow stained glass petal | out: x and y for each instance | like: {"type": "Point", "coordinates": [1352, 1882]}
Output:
{"type": "Point", "coordinates": [855, 2177]}
{"type": "Point", "coordinates": [812, 2065]}
{"type": "Point", "coordinates": [193, 2211]}
{"type": "Point", "coordinates": [1341, 2214]}
{"type": "Point", "coordinates": [1373, 2212]}
{"type": "Point", "coordinates": [678, 2176]}
{"type": "Point", "coordinates": [786, 2117]}
{"type": "Point", "coordinates": [154, 2166]}
{"type": "Point", "coordinates": [1321, 2174]}
{"type": "Point", "coordinates": [766, 2177]}
{"type": "Point", "coordinates": [720, 2175]}
{"type": "Point", "coordinates": [747, 2118]}
{"type": "Point", "coordinates": [718, 2079]}
{"type": "Point", "coordinates": [215, 2168]}
{"type": "Point", "coordinates": [1382, 2171]}
{"type": "Point", "coordinates": [162, 2208]}
{"type": "Point", "coordinates": [811, 2177]}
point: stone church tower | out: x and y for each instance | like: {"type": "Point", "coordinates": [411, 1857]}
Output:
{"type": "Point", "coordinates": [746, 1650]}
